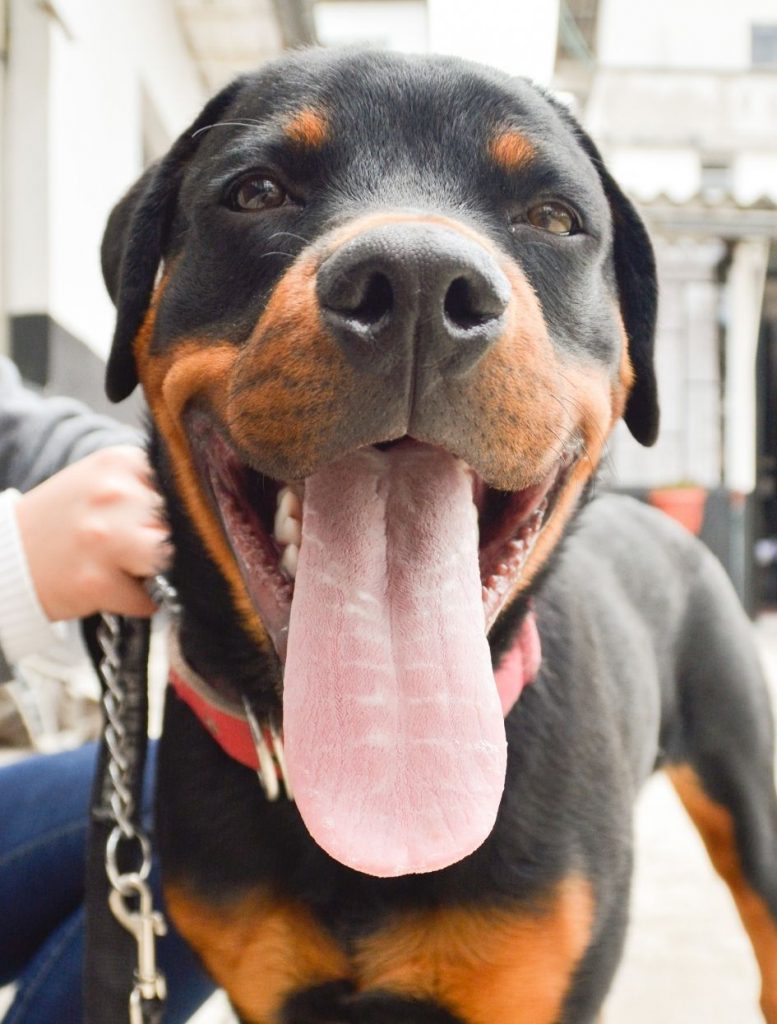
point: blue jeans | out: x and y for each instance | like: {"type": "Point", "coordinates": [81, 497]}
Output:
{"type": "Point", "coordinates": [43, 822]}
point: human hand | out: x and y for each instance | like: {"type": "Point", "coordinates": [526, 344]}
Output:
{"type": "Point", "coordinates": [92, 532]}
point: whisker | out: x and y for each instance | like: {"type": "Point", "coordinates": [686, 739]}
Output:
{"type": "Point", "coordinates": [288, 255]}
{"type": "Point", "coordinates": [250, 123]}
{"type": "Point", "coordinates": [289, 234]}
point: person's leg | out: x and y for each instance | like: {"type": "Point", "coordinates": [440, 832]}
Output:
{"type": "Point", "coordinates": [43, 822]}
{"type": "Point", "coordinates": [50, 988]}
{"type": "Point", "coordinates": [43, 818]}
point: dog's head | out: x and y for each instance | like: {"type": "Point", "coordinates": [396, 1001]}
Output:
{"type": "Point", "coordinates": [385, 311]}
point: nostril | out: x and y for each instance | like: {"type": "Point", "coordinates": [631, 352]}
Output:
{"type": "Point", "coordinates": [377, 301]}
{"type": "Point", "coordinates": [466, 307]}
{"type": "Point", "coordinates": [373, 301]}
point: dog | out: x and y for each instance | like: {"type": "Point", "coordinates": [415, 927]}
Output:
{"type": "Point", "coordinates": [386, 311]}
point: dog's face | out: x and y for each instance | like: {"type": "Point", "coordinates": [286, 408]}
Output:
{"type": "Point", "coordinates": [401, 306]}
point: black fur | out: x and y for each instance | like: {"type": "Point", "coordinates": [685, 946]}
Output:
{"type": "Point", "coordinates": [634, 622]}
{"type": "Point", "coordinates": [231, 286]}
{"type": "Point", "coordinates": [137, 238]}
{"type": "Point", "coordinates": [635, 271]}
{"type": "Point", "coordinates": [339, 1004]}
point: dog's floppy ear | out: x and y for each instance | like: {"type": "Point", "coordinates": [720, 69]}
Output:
{"type": "Point", "coordinates": [134, 243]}
{"type": "Point", "coordinates": [635, 271]}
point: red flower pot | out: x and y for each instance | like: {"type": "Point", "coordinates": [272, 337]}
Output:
{"type": "Point", "coordinates": [683, 504]}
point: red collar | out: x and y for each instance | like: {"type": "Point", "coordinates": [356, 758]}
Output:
{"type": "Point", "coordinates": [233, 726]}
{"type": "Point", "coordinates": [240, 735]}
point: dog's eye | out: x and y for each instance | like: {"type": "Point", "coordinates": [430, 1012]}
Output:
{"type": "Point", "coordinates": [256, 193]}
{"type": "Point", "coordinates": [554, 217]}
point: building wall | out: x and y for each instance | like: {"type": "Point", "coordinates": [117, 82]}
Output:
{"type": "Point", "coordinates": [524, 43]}
{"type": "Point", "coordinates": [680, 34]}
{"type": "Point", "coordinates": [688, 370]}
{"type": "Point", "coordinates": [383, 24]}
{"type": "Point", "coordinates": [518, 37]}
{"type": "Point", "coordinates": [92, 90]}
{"type": "Point", "coordinates": [687, 127]}
{"type": "Point", "coordinates": [678, 101]}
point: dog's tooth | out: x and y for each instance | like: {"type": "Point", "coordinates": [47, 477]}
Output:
{"type": "Point", "coordinates": [288, 503]}
{"type": "Point", "coordinates": [288, 531]}
{"type": "Point", "coordinates": [288, 513]}
{"type": "Point", "coordinates": [289, 559]}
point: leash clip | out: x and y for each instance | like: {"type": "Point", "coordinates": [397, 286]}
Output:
{"type": "Point", "coordinates": [145, 924]}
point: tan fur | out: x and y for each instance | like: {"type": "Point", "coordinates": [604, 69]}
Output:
{"type": "Point", "coordinates": [171, 380]}
{"type": "Point", "coordinates": [259, 949]}
{"type": "Point", "coordinates": [308, 127]}
{"type": "Point", "coordinates": [290, 393]}
{"type": "Point", "coordinates": [716, 827]}
{"type": "Point", "coordinates": [488, 966]}
{"type": "Point", "coordinates": [511, 150]}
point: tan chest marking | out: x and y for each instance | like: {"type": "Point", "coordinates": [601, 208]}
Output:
{"type": "Point", "coordinates": [489, 967]}
{"type": "Point", "coordinates": [259, 950]}
{"type": "Point", "coordinates": [486, 966]}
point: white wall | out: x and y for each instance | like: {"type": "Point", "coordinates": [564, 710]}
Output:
{"type": "Point", "coordinates": [4, 338]}
{"type": "Point", "coordinates": [746, 281]}
{"type": "Point", "coordinates": [657, 127]}
{"type": "Point", "coordinates": [674, 92]}
{"type": "Point", "coordinates": [26, 197]}
{"type": "Point", "coordinates": [680, 33]}
{"type": "Point", "coordinates": [517, 36]}
{"type": "Point", "coordinates": [74, 142]}
{"type": "Point", "coordinates": [690, 445]}
{"type": "Point", "coordinates": [400, 25]}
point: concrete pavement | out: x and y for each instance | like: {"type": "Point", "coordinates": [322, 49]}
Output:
{"type": "Point", "coordinates": [687, 959]}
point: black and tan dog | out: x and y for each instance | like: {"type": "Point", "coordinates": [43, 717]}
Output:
{"type": "Point", "coordinates": [386, 312]}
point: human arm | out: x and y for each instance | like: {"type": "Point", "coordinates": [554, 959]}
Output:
{"type": "Point", "coordinates": [40, 435]}
{"type": "Point", "coordinates": [80, 541]}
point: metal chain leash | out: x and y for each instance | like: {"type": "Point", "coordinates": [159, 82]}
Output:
{"type": "Point", "coordinates": [130, 899]}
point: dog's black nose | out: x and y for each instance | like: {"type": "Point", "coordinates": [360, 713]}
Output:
{"type": "Point", "coordinates": [413, 293]}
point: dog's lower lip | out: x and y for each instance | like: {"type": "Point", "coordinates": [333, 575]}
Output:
{"type": "Point", "coordinates": [245, 502]}
{"type": "Point", "coordinates": [508, 538]}
{"type": "Point", "coordinates": [261, 518]}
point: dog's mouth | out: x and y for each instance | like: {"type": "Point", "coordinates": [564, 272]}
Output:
{"type": "Point", "coordinates": [378, 578]}
{"type": "Point", "coordinates": [262, 518]}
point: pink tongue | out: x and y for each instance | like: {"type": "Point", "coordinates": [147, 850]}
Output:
{"type": "Point", "coordinates": [392, 721]}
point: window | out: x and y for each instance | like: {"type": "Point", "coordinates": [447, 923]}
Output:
{"type": "Point", "coordinates": [764, 46]}
{"type": "Point", "coordinates": [716, 175]}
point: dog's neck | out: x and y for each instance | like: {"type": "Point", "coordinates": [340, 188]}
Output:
{"type": "Point", "coordinates": [259, 745]}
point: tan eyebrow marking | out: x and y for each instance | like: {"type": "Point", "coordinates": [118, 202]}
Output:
{"type": "Point", "coordinates": [308, 127]}
{"type": "Point", "coordinates": [511, 150]}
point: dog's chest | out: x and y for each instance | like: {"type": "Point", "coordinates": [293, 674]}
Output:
{"type": "Point", "coordinates": [480, 964]}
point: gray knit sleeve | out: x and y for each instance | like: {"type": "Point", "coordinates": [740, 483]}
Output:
{"type": "Point", "coordinates": [40, 435]}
